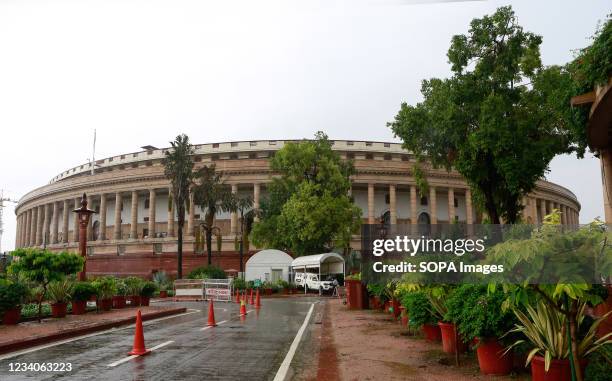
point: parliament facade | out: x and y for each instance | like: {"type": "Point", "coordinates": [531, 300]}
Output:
{"type": "Point", "coordinates": [132, 234]}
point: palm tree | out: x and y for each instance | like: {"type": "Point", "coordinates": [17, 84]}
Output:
{"type": "Point", "coordinates": [212, 196]}
{"type": "Point", "coordinates": [178, 165]}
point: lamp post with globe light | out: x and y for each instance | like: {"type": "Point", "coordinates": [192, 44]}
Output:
{"type": "Point", "coordinates": [83, 214]}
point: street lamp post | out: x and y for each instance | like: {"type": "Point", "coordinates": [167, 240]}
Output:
{"type": "Point", "coordinates": [83, 214]}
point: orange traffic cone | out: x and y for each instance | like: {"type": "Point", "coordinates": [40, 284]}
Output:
{"type": "Point", "coordinates": [257, 300]}
{"type": "Point", "coordinates": [243, 311]}
{"type": "Point", "coordinates": [211, 314]}
{"type": "Point", "coordinates": [139, 344]}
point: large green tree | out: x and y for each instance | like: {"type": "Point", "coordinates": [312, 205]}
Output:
{"type": "Point", "coordinates": [497, 119]}
{"type": "Point", "coordinates": [178, 168]}
{"type": "Point", "coordinates": [308, 209]}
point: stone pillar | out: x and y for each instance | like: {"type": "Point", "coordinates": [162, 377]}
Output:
{"type": "Point", "coordinates": [75, 224]}
{"type": "Point", "coordinates": [469, 217]}
{"type": "Point", "coordinates": [54, 223]}
{"type": "Point", "coordinates": [28, 241]}
{"type": "Point", "coordinates": [39, 225]}
{"type": "Point", "coordinates": [134, 216]}
{"type": "Point", "coordinates": [433, 205]}
{"type": "Point", "coordinates": [451, 205]}
{"type": "Point", "coordinates": [17, 230]}
{"type": "Point", "coordinates": [542, 209]}
{"type": "Point", "coordinates": [152, 203]}
{"type": "Point", "coordinates": [413, 205]}
{"type": "Point", "coordinates": [256, 191]}
{"type": "Point", "coordinates": [170, 213]}
{"type": "Point", "coordinates": [191, 216]}
{"type": "Point", "coordinates": [234, 215]}
{"type": "Point", "coordinates": [392, 205]}
{"type": "Point", "coordinates": [102, 232]}
{"type": "Point", "coordinates": [117, 224]}
{"type": "Point", "coordinates": [65, 219]}
{"type": "Point", "coordinates": [534, 210]}
{"type": "Point", "coordinates": [371, 220]}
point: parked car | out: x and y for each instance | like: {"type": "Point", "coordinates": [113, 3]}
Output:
{"type": "Point", "coordinates": [312, 282]}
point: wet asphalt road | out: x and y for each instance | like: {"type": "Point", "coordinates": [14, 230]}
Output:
{"type": "Point", "coordinates": [249, 349]}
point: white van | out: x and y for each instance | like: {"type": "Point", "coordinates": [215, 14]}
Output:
{"type": "Point", "coordinates": [312, 282]}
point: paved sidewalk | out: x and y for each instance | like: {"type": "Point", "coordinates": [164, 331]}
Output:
{"type": "Point", "coordinates": [370, 346]}
{"type": "Point", "coordinates": [33, 333]}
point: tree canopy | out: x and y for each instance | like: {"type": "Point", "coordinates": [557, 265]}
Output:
{"type": "Point", "coordinates": [498, 120]}
{"type": "Point", "coordinates": [308, 209]}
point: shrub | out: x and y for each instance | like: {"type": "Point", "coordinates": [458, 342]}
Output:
{"type": "Point", "coordinates": [239, 284]}
{"type": "Point", "coordinates": [61, 291]}
{"type": "Point", "coordinates": [12, 295]}
{"type": "Point", "coordinates": [121, 287]}
{"type": "Point", "coordinates": [161, 280]}
{"type": "Point", "coordinates": [133, 285]}
{"type": "Point", "coordinates": [148, 289]}
{"type": "Point", "coordinates": [82, 291]}
{"type": "Point", "coordinates": [419, 309]}
{"type": "Point", "coordinates": [378, 290]}
{"type": "Point", "coordinates": [106, 287]}
{"type": "Point", "coordinates": [599, 365]}
{"type": "Point", "coordinates": [207, 272]}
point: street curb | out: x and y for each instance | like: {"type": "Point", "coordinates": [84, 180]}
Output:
{"type": "Point", "coordinates": [15, 345]}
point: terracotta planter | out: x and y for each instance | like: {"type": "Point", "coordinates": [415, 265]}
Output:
{"type": "Point", "coordinates": [491, 357]}
{"type": "Point", "coordinates": [600, 310]}
{"type": "Point", "coordinates": [79, 307]}
{"type": "Point", "coordinates": [105, 304]}
{"type": "Point", "coordinates": [268, 291]}
{"type": "Point", "coordinates": [285, 291]}
{"type": "Point", "coordinates": [449, 336]}
{"type": "Point", "coordinates": [118, 301]}
{"type": "Point", "coordinates": [559, 370]}
{"type": "Point", "coordinates": [404, 316]}
{"type": "Point", "coordinates": [58, 310]}
{"type": "Point", "coordinates": [356, 295]}
{"type": "Point", "coordinates": [12, 316]}
{"type": "Point", "coordinates": [395, 305]}
{"type": "Point", "coordinates": [144, 301]}
{"type": "Point", "coordinates": [134, 300]}
{"type": "Point", "coordinates": [163, 294]}
{"type": "Point", "coordinates": [432, 332]}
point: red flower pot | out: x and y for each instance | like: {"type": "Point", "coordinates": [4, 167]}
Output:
{"type": "Point", "coordinates": [491, 357]}
{"type": "Point", "coordinates": [404, 316]}
{"type": "Point", "coordinates": [144, 301]}
{"type": "Point", "coordinates": [12, 316]}
{"type": "Point", "coordinates": [285, 291]}
{"type": "Point", "coordinates": [134, 300]}
{"type": "Point", "coordinates": [79, 307]}
{"type": "Point", "coordinates": [449, 342]}
{"type": "Point", "coordinates": [559, 370]}
{"type": "Point", "coordinates": [105, 304]}
{"type": "Point", "coordinates": [118, 301]}
{"type": "Point", "coordinates": [163, 294]}
{"type": "Point", "coordinates": [431, 332]}
{"type": "Point", "coordinates": [58, 310]}
{"type": "Point", "coordinates": [268, 291]}
{"type": "Point", "coordinates": [395, 304]}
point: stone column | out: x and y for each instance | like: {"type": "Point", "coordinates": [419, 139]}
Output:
{"type": "Point", "coordinates": [534, 210]}
{"type": "Point", "coordinates": [39, 225]}
{"type": "Point", "coordinates": [191, 217]}
{"type": "Point", "coordinates": [134, 216]}
{"type": "Point", "coordinates": [413, 205]}
{"type": "Point", "coordinates": [65, 219]}
{"type": "Point", "coordinates": [542, 209]}
{"type": "Point", "coordinates": [17, 230]}
{"type": "Point", "coordinates": [371, 204]}
{"type": "Point", "coordinates": [392, 205]}
{"type": "Point", "coordinates": [102, 232]}
{"type": "Point", "coordinates": [451, 205]}
{"type": "Point", "coordinates": [28, 240]}
{"type": "Point", "coordinates": [90, 223]}
{"type": "Point", "coordinates": [234, 215]}
{"type": "Point", "coordinates": [117, 224]}
{"type": "Point", "coordinates": [75, 224]}
{"type": "Point", "coordinates": [54, 223]}
{"type": "Point", "coordinates": [256, 191]}
{"type": "Point", "coordinates": [152, 203]}
{"type": "Point", "coordinates": [170, 213]}
{"type": "Point", "coordinates": [469, 217]}
{"type": "Point", "coordinates": [433, 205]}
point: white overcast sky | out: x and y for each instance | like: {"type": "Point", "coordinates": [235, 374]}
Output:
{"type": "Point", "coordinates": [140, 72]}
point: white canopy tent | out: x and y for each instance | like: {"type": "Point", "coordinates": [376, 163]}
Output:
{"type": "Point", "coordinates": [326, 263]}
{"type": "Point", "coordinates": [269, 264]}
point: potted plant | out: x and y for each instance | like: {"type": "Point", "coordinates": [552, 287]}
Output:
{"type": "Point", "coordinates": [106, 288]}
{"type": "Point", "coordinates": [544, 329]}
{"type": "Point", "coordinates": [134, 285]}
{"type": "Point", "coordinates": [147, 290]}
{"type": "Point", "coordinates": [81, 293]}
{"type": "Point", "coordinates": [377, 295]}
{"type": "Point", "coordinates": [480, 318]}
{"type": "Point", "coordinates": [161, 281]}
{"type": "Point", "coordinates": [422, 314]}
{"type": "Point", "coordinates": [267, 287]}
{"type": "Point", "coordinates": [284, 286]}
{"type": "Point", "coordinates": [120, 293]}
{"type": "Point", "coordinates": [12, 296]}
{"type": "Point", "coordinates": [60, 293]}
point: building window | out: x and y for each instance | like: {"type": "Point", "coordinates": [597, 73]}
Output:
{"type": "Point", "coordinates": [149, 163]}
{"type": "Point", "coordinates": [387, 156]}
{"type": "Point", "coordinates": [387, 145]}
{"type": "Point", "coordinates": [157, 248]}
{"type": "Point", "coordinates": [198, 159]}
{"type": "Point", "coordinates": [146, 219]}
{"type": "Point", "coordinates": [234, 156]}
{"type": "Point", "coordinates": [350, 155]}
{"type": "Point", "coordinates": [214, 157]}
{"type": "Point", "coordinates": [369, 156]}
{"type": "Point", "coordinates": [110, 159]}
{"type": "Point", "coordinates": [424, 201]}
{"type": "Point", "coordinates": [134, 155]}
{"type": "Point", "coordinates": [456, 202]}
{"type": "Point", "coordinates": [253, 144]}
{"type": "Point", "coordinates": [368, 144]}
{"type": "Point", "coordinates": [387, 198]}
{"type": "Point", "coordinates": [145, 232]}
{"type": "Point", "coordinates": [252, 155]}
{"type": "Point", "coordinates": [196, 217]}
{"type": "Point", "coordinates": [405, 158]}
{"type": "Point", "coordinates": [215, 145]}
{"type": "Point", "coordinates": [149, 152]}
{"type": "Point", "coordinates": [146, 203]}
{"type": "Point", "coordinates": [349, 143]}
{"type": "Point", "coordinates": [234, 144]}
{"type": "Point", "coordinates": [122, 156]}
{"type": "Point", "coordinates": [272, 142]}
{"type": "Point", "coordinates": [134, 165]}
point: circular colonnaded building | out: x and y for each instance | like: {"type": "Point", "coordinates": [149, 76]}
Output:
{"type": "Point", "coordinates": [132, 235]}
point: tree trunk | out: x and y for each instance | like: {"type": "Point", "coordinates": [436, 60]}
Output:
{"type": "Point", "coordinates": [209, 245]}
{"type": "Point", "coordinates": [179, 252]}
